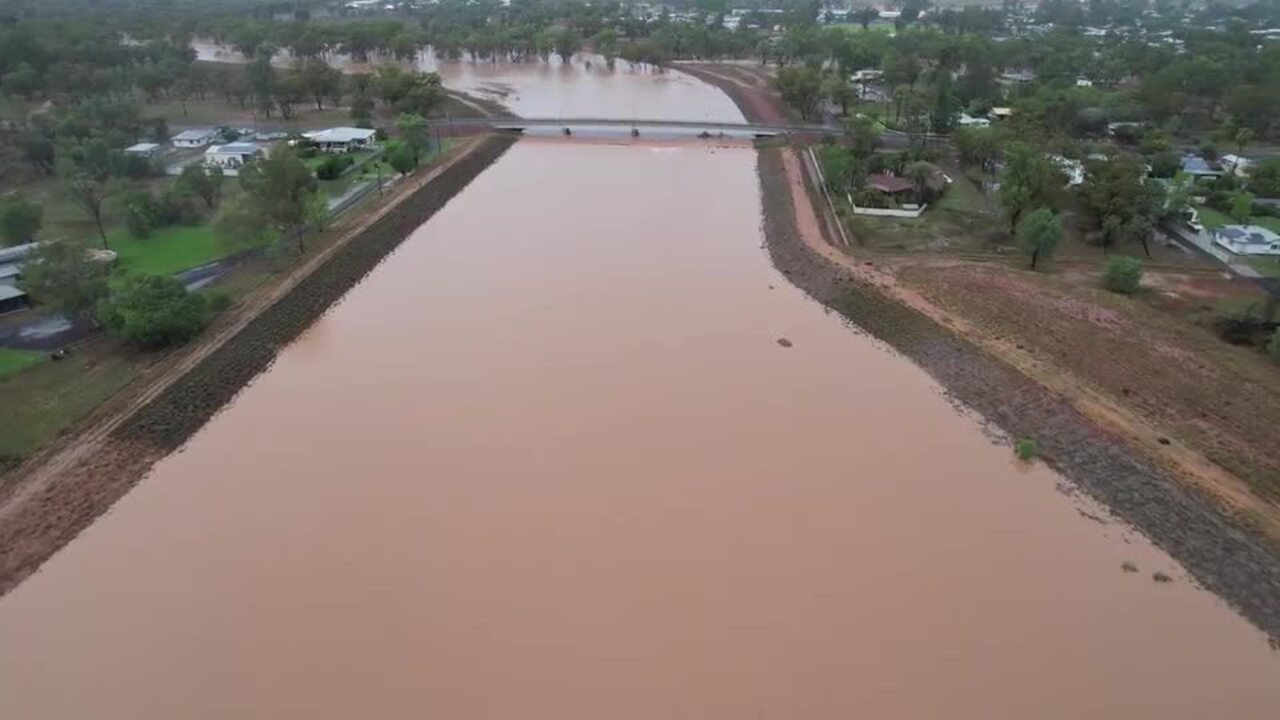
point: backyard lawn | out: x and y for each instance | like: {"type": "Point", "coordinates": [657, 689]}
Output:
{"type": "Point", "coordinates": [168, 250]}
{"type": "Point", "coordinates": [1213, 219]}
{"type": "Point", "coordinates": [1269, 266]}
{"type": "Point", "coordinates": [11, 360]}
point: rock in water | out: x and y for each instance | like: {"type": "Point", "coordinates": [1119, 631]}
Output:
{"type": "Point", "coordinates": [784, 342]}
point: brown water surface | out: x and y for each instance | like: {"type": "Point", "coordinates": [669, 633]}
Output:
{"type": "Point", "coordinates": [550, 461]}
{"type": "Point", "coordinates": [585, 87]}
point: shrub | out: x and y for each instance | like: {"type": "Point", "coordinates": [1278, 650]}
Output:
{"type": "Point", "coordinates": [217, 300]}
{"type": "Point", "coordinates": [1026, 448]}
{"type": "Point", "coordinates": [1273, 346]}
{"type": "Point", "coordinates": [139, 213]}
{"type": "Point", "coordinates": [1122, 275]}
{"type": "Point", "coordinates": [333, 166]}
{"type": "Point", "coordinates": [154, 312]}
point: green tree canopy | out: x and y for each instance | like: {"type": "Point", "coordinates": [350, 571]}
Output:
{"type": "Point", "coordinates": [63, 275]}
{"type": "Point", "coordinates": [19, 219]}
{"type": "Point", "coordinates": [154, 312]}
{"type": "Point", "coordinates": [1039, 233]}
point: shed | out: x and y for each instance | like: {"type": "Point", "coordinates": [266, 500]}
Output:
{"type": "Point", "coordinates": [231, 156]}
{"type": "Point", "coordinates": [12, 298]}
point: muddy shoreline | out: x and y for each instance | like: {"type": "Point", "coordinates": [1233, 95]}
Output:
{"type": "Point", "coordinates": [41, 523]}
{"type": "Point", "coordinates": [1221, 555]}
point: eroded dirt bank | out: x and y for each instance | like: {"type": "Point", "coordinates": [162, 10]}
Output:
{"type": "Point", "coordinates": [65, 492]}
{"type": "Point", "coordinates": [1221, 555]}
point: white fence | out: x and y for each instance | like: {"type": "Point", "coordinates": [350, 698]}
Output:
{"type": "Point", "coordinates": [888, 212]}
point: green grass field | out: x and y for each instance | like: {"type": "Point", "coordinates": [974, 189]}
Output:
{"type": "Point", "coordinates": [1213, 219]}
{"type": "Point", "coordinates": [168, 250]}
{"type": "Point", "coordinates": [39, 403]}
{"type": "Point", "coordinates": [1267, 265]}
{"type": "Point", "coordinates": [11, 361]}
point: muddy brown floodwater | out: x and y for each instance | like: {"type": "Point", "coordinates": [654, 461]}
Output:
{"type": "Point", "coordinates": [585, 87]}
{"type": "Point", "coordinates": [550, 460]}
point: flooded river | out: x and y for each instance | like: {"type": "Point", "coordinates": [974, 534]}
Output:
{"type": "Point", "coordinates": [550, 460]}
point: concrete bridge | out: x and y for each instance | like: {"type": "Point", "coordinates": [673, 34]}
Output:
{"type": "Point", "coordinates": [612, 127]}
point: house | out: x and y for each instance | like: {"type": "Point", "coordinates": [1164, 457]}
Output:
{"type": "Point", "coordinates": [232, 156]}
{"type": "Point", "coordinates": [195, 138]}
{"type": "Point", "coordinates": [967, 120]}
{"type": "Point", "coordinates": [342, 139]}
{"type": "Point", "coordinates": [889, 184]}
{"type": "Point", "coordinates": [1236, 164]}
{"type": "Point", "coordinates": [13, 297]}
{"type": "Point", "coordinates": [863, 76]}
{"type": "Point", "coordinates": [1196, 166]}
{"type": "Point", "coordinates": [1247, 240]}
{"type": "Point", "coordinates": [1017, 77]}
{"type": "Point", "coordinates": [1000, 113]}
{"type": "Point", "coordinates": [895, 186]}
{"type": "Point", "coordinates": [1073, 169]}
{"type": "Point", "coordinates": [143, 149]}
{"type": "Point", "coordinates": [1084, 82]}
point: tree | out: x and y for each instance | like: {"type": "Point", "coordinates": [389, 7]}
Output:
{"type": "Point", "coordinates": [154, 312]}
{"type": "Point", "coordinates": [63, 275]}
{"type": "Point", "coordinates": [919, 173]}
{"type": "Point", "coordinates": [839, 92]}
{"type": "Point", "coordinates": [1039, 234]}
{"type": "Point", "coordinates": [277, 190]}
{"type": "Point", "coordinates": [861, 135]}
{"type": "Point", "coordinates": [401, 157]}
{"type": "Point", "coordinates": [203, 181]}
{"type": "Point", "coordinates": [977, 146]}
{"type": "Point", "coordinates": [1264, 180]}
{"type": "Point", "coordinates": [89, 192]}
{"type": "Point", "coordinates": [800, 87]}
{"type": "Point", "coordinates": [1123, 203]}
{"type": "Point", "coordinates": [1028, 181]}
{"type": "Point", "coordinates": [1123, 275]}
{"type": "Point", "coordinates": [320, 80]}
{"type": "Point", "coordinates": [1243, 137]}
{"type": "Point", "coordinates": [866, 16]}
{"type": "Point", "coordinates": [567, 42]}
{"type": "Point", "coordinates": [19, 219]}
{"type": "Point", "coordinates": [1242, 207]}
{"type": "Point", "coordinates": [413, 129]}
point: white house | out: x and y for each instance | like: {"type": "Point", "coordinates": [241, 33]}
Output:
{"type": "Point", "coordinates": [342, 139]}
{"type": "Point", "coordinates": [967, 120]}
{"type": "Point", "coordinates": [1084, 82]}
{"type": "Point", "coordinates": [1073, 169]}
{"type": "Point", "coordinates": [1000, 113]}
{"type": "Point", "coordinates": [232, 156]}
{"type": "Point", "coordinates": [1247, 240]}
{"type": "Point", "coordinates": [1236, 164]}
{"type": "Point", "coordinates": [194, 138]}
{"type": "Point", "coordinates": [862, 76]}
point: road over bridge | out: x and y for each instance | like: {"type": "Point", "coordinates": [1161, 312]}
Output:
{"type": "Point", "coordinates": [664, 128]}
